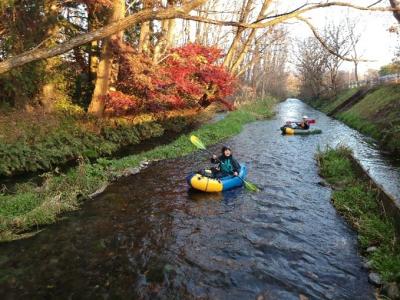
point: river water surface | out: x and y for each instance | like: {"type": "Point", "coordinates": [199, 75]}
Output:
{"type": "Point", "coordinates": [147, 237]}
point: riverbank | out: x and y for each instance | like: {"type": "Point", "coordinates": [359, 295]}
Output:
{"type": "Point", "coordinates": [358, 202]}
{"type": "Point", "coordinates": [37, 141]}
{"type": "Point", "coordinates": [31, 206]}
{"type": "Point", "coordinates": [374, 112]}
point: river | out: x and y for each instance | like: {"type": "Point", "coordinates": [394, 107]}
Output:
{"type": "Point", "coordinates": [148, 237]}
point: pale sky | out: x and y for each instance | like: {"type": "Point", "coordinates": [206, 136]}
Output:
{"type": "Point", "coordinates": [376, 42]}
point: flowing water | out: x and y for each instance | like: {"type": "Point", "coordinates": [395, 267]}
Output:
{"type": "Point", "coordinates": [148, 237]}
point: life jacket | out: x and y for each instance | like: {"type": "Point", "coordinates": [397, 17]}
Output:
{"type": "Point", "coordinates": [226, 166]}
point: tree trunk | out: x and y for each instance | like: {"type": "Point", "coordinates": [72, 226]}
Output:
{"type": "Point", "coordinates": [356, 71]}
{"type": "Point", "coordinates": [246, 8]}
{"type": "Point", "coordinates": [171, 33]}
{"type": "Point", "coordinates": [250, 39]}
{"type": "Point", "coordinates": [396, 4]}
{"type": "Point", "coordinates": [166, 38]}
{"type": "Point", "coordinates": [104, 70]}
{"type": "Point", "coordinates": [94, 48]}
{"type": "Point", "coordinates": [144, 39]}
{"type": "Point", "coordinates": [49, 93]}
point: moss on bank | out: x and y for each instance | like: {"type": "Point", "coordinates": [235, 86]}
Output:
{"type": "Point", "coordinates": [40, 142]}
{"type": "Point", "coordinates": [358, 203]}
{"type": "Point", "coordinates": [31, 206]}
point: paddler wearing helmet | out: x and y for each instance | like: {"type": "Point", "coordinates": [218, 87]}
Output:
{"type": "Point", "coordinates": [304, 123]}
{"type": "Point", "coordinates": [227, 165]}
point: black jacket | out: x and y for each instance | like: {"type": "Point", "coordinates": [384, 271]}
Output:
{"type": "Point", "coordinates": [305, 126]}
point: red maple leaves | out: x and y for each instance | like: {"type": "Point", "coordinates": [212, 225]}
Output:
{"type": "Point", "coordinates": [188, 76]}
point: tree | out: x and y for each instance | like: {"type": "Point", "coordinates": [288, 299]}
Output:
{"type": "Point", "coordinates": [81, 34]}
{"type": "Point", "coordinates": [337, 38]}
{"type": "Point", "coordinates": [105, 68]}
{"type": "Point", "coordinates": [312, 66]}
{"type": "Point", "coordinates": [173, 12]}
{"type": "Point", "coordinates": [392, 68]}
{"type": "Point", "coordinates": [354, 38]}
{"type": "Point", "coordinates": [396, 5]}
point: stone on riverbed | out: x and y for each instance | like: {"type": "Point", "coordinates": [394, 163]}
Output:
{"type": "Point", "coordinates": [391, 290]}
{"type": "Point", "coordinates": [99, 191]}
{"type": "Point", "coordinates": [375, 279]}
{"type": "Point", "coordinates": [130, 171]}
{"type": "Point", "coordinates": [323, 183]}
{"type": "Point", "coordinates": [367, 264]}
{"type": "Point", "coordinates": [371, 249]}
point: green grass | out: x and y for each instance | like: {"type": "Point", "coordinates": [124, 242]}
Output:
{"type": "Point", "coordinates": [326, 105]}
{"type": "Point", "coordinates": [379, 102]}
{"type": "Point", "coordinates": [31, 206]}
{"type": "Point", "coordinates": [376, 115]}
{"type": "Point", "coordinates": [63, 138]}
{"type": "Point", "coordinates": [359, 204]}
{"type": "Point", "coordinates": [355, 121]}
{"type": "Point", "coordinates": [331, 104]}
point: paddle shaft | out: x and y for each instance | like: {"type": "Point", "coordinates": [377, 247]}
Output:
{"type": "Point", "coordinates": [310, 121]}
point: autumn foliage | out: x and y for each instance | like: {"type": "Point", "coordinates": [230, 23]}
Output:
{"type": "Point", "coordinates": [187, 76]}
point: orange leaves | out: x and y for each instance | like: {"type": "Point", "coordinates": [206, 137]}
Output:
{"type": "Point", "coordinates": [119, 104]}
{"type": "Point", "coordinates": [187, 77]}
{"type": "Point", "coordinates": [105, 3]}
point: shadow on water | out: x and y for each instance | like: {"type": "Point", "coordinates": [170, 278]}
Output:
{"type": "Point", "coordinates": [149, 237]}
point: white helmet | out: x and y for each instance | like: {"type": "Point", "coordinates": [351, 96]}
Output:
{"type": "Point", "coordinates": [305, 117]}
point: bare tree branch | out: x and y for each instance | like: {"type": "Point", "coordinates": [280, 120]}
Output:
{"type": "Point", "coordinates": [290, 15]}
{"type": "Point", "coordinates": [144, 15]}
{"type": "Point", "coordinates": [169, 13]}
{"type": "Point", "coordinates": [325, 45]}
{"type": "Point", "coordinates": [396, 5]}
{"type": "Point", "coordinates": [375, 3]}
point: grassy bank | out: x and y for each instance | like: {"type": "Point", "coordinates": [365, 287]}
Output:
{"type": "Point", "coordinates": [31, 206]}
{"type": "Point", "coordinates": [358, 203]}
{"type": "Point", "coordinates": [377, 114]}
{"type": "Point", "coordinates": [40, 142]}
{"type": "Point", "coordinates": [326, 105]}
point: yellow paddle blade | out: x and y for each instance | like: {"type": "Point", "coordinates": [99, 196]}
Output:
{"type": "Point", "coordinates": [196, 141]}
{"type": "Point", "coordinates": [250, 186]}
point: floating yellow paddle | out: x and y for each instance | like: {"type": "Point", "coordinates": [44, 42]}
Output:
{"type": "Point", "coordinates": [199, 144]}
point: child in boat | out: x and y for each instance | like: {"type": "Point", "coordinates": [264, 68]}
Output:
{"type": "Point", "coordinates": [227, 165]}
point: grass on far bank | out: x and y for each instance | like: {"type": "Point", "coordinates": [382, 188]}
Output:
{"type": "Point", "coordinates": [359, 204]}
{"type": "Point", "coordinates": [31, 206]}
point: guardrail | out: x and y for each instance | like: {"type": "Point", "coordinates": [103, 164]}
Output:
{"type": "Point", "coordinates": [391, 78]}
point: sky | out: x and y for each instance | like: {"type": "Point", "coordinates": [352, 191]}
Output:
{"type": "Point", "coordinates": [376, 44]}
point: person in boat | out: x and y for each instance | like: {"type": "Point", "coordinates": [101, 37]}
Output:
{"type": "Point", "coordinates": [303, 124]}
{"type": "Point", "coordinates": [289, 124]}
{"type": "Point", "coordinates": [227, 165]}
